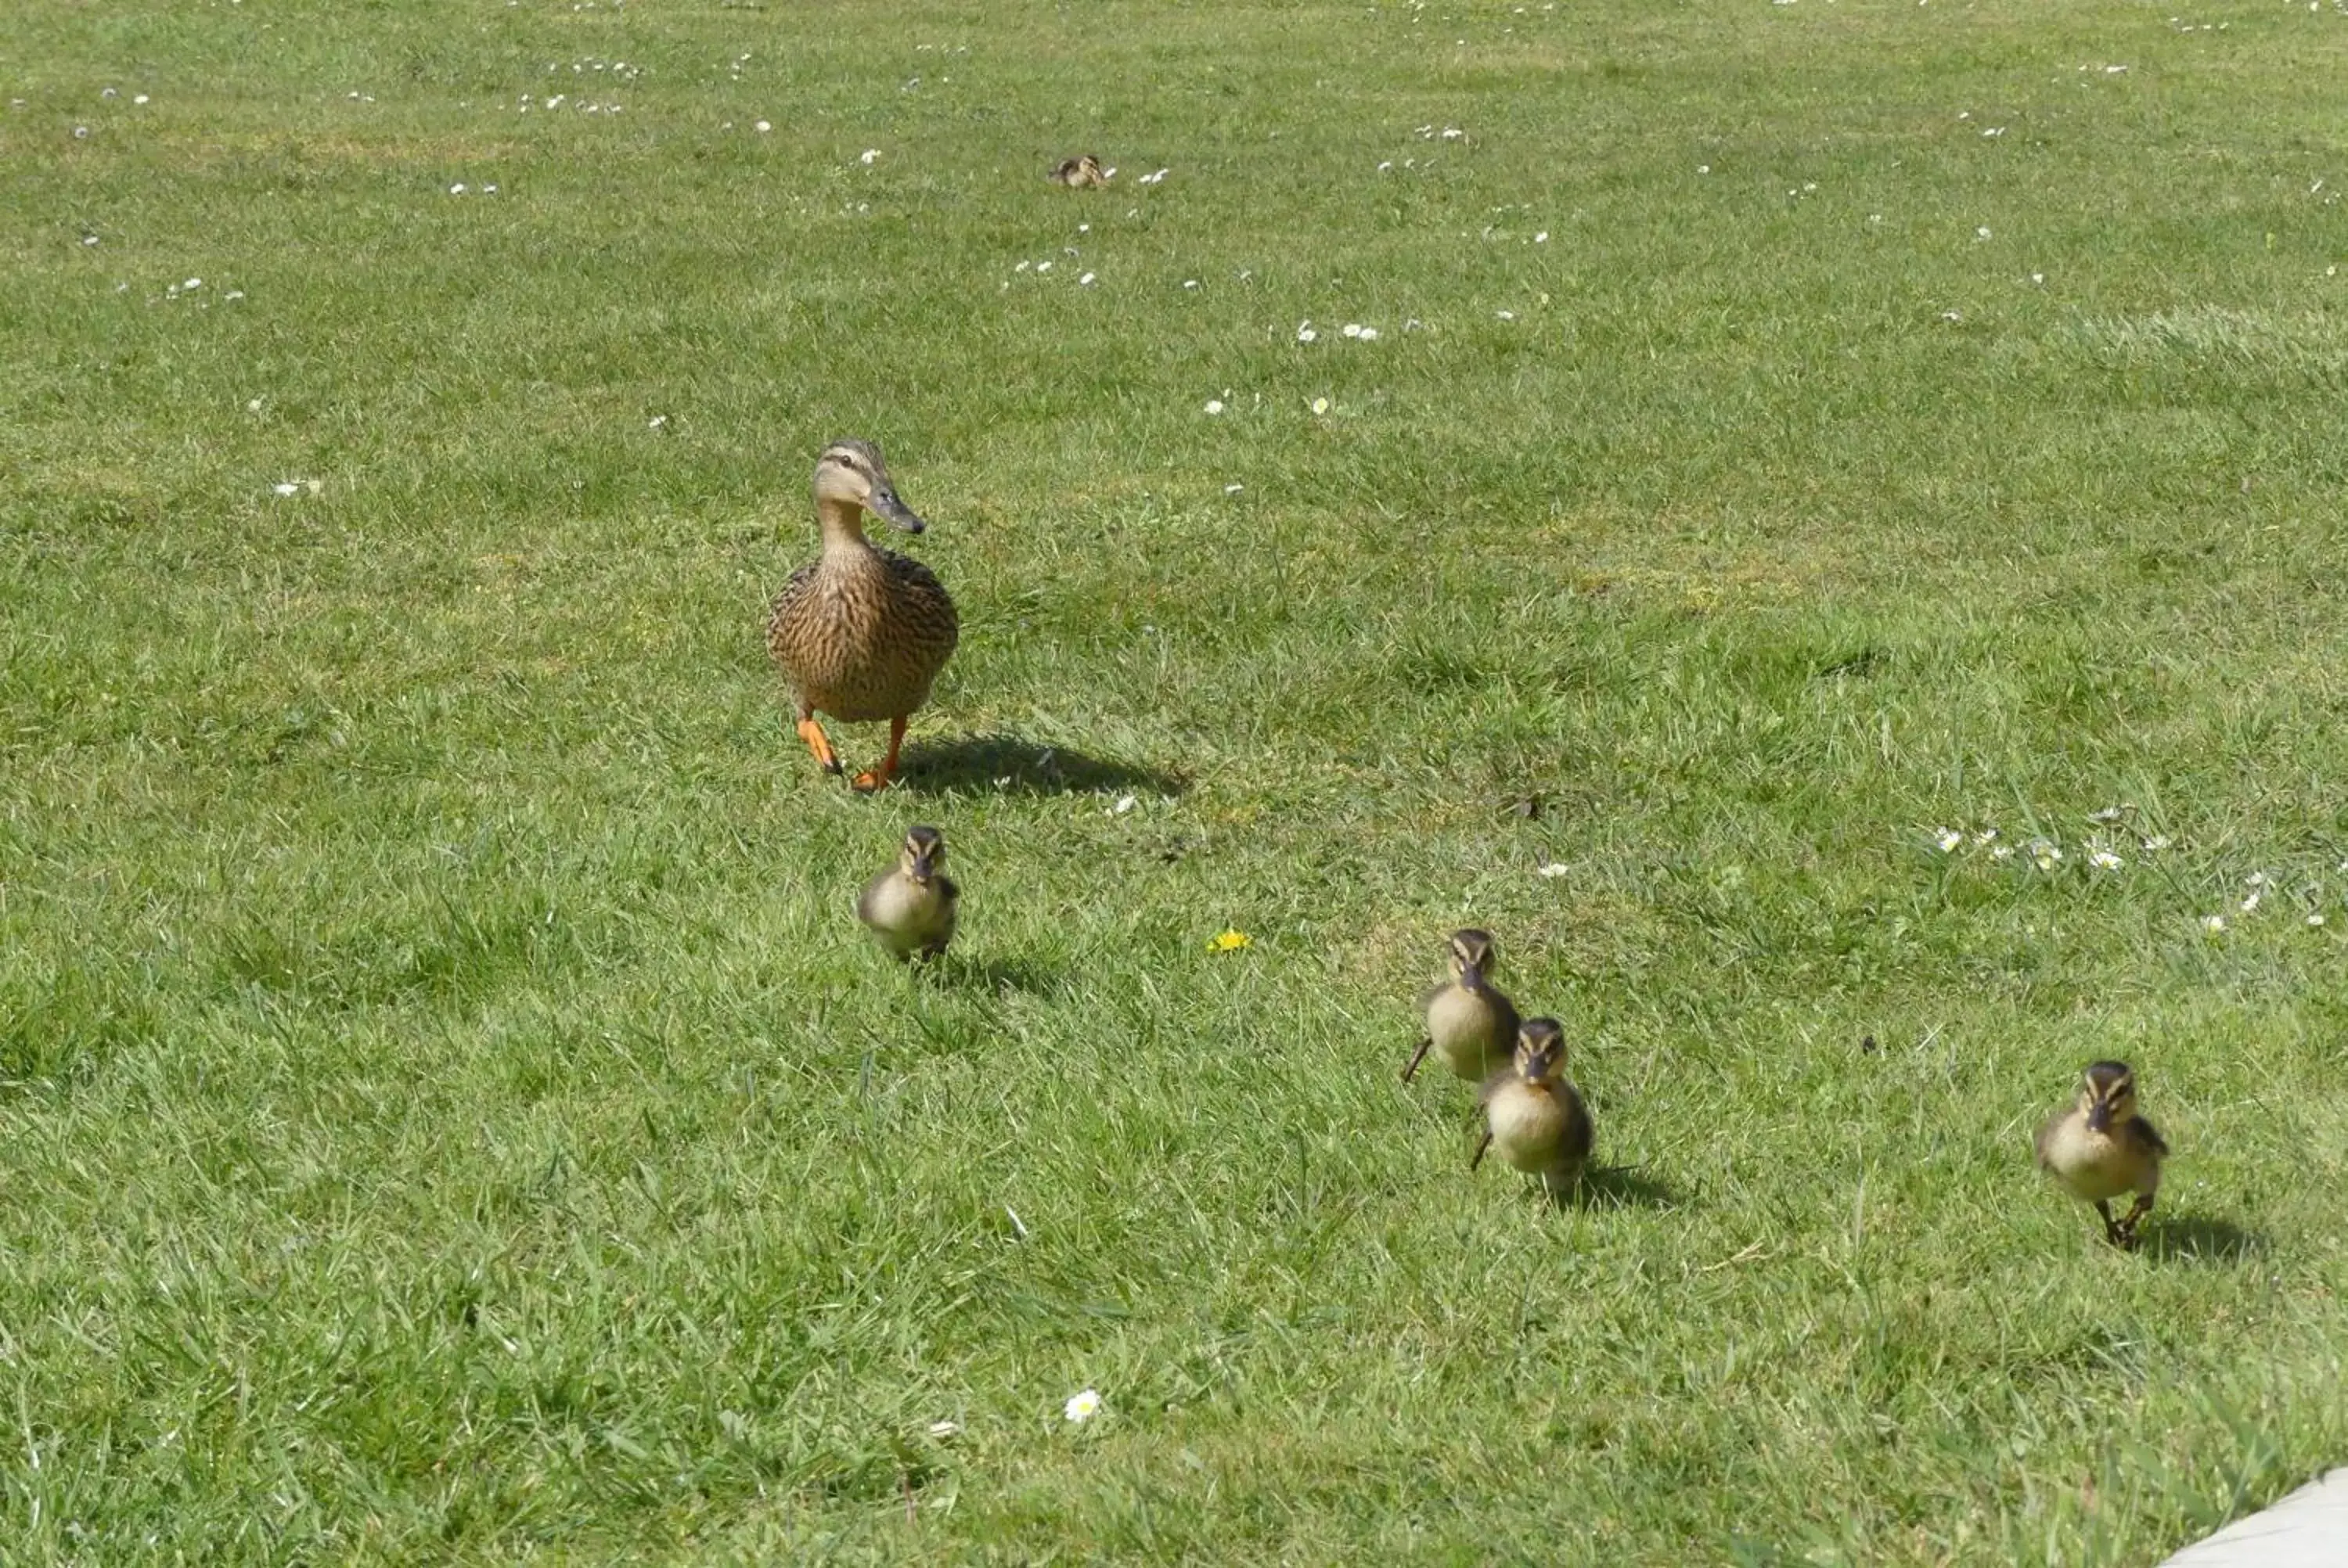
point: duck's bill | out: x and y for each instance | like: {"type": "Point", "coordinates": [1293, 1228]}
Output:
{"type": "Point", "coordinates": [900, 514]}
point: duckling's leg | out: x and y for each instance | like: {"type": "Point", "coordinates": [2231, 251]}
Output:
{"type": "Point", "coordinates": [1562, 1177]}
{"type": "Point", "coordinates": [1483, 1143]}
{"type": "Point", "coordinates": [878, 778]}
{"type": "Point", "coordinates": [2111, 1226]}
{"type": "Point", "coordinates": [818, 743]}
{"type": "Point", "coordinates": [1416, 1057]}
{"type": "Point", "coordinates": [2136, 1211]}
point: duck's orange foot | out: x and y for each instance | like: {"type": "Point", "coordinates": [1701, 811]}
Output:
{"type": "Point", "coordinates": [821, 744]}
{"type": "Point", "coordinates": [877, 779]}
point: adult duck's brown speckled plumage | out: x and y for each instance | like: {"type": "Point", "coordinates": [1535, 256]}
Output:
{"type": "Point", "coordinates": [859, 632]}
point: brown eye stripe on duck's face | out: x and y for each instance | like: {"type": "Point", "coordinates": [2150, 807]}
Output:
{"type": "Point", "coordinates": [2109, 1081]}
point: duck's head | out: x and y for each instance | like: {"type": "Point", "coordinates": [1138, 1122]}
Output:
{"type": "Point", "coordinates": [850, 473]}
{"type": "Point", "coordinates": [1541, 1050]}
{"type": "Point", "coordinates": [2107, 1094]}
{"type": "Point", "coordinates": [923, 855]}
{"type": "Point", "coordinates": [1471, 956]}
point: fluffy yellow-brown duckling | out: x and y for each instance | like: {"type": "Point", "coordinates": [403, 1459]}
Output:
{"type": "Point", "coordinates": [2100, 1148]}
{"type": "Point", "coordinates": [1079, 173]}
{"type": "Point", "coordinates": [859, 632]}
{"type": "Point", "coordinates": [1469, 1024]}
{"type": "Point", "coordinates": [910, 906]}
{"type": "Point", "coordinates": [1533, 1116]}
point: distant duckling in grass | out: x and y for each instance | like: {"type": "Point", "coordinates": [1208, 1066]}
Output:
{"type": "Point", "coordinates": [1532, 1115]}
{"type": "Point", "coordinates": [2101, 1148]}
{"type": "Point", "coordinates": [1469, 1023]}
{"type": "Point", "coordinates": [910, 906]}
{"type": "Point", "coordinates": [1079, 173]}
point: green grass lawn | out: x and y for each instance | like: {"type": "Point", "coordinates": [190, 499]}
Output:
{"type": "Point", "coordinates": [448, 1112]}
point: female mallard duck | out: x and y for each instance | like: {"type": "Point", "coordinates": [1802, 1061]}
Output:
{"type": "Point", "coordinates": [2101, 1148]}
{"type": "Point", "coordinates": [859, 631]}
{"type": "Point", "coordinates": [1532, 1115]}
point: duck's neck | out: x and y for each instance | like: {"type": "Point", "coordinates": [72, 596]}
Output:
{"type": "Point", "coordinates": [843, 530]}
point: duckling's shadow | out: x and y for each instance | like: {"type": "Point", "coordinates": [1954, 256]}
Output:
{"type": "Point", "coordinates": [1007, 764]}
{"type": "Point", "coordinates": [1619, 1187]}
{"type": "Point", "coordinates": [2200, 1238]}
{"type": "Point", "coordinates": [997, 975]}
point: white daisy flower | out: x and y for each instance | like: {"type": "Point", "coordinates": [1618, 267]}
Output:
{"type": "Point", "coordinates": [1948, 839]}
{"type": "Point", "coordinates": [1083, 1406]}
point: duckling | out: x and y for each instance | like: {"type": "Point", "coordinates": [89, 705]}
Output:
{"type": "Point", "coordinates": [2101, 1148]}
{"type": "Point", "coordinates": [859, 632]}
{"type": "Point", "coordinates": [1471, 1025]}
{"type": "Point", "coordinates": [1533, 1115]}
{"type": "Point", "coordinates": [1077, 173]}
{"type": "Point", "coordinates": [911, 905]}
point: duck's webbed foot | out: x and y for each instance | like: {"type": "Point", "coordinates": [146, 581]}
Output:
{"type": "Point", "coordinates": [819, 744]}
{"type": "Point", "coordinates": [878, 778]}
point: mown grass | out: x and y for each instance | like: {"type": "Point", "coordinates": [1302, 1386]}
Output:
{"type": "Point", "coordinates": [447, 1112]}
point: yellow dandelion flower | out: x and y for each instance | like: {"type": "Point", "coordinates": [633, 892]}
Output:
{"type": "Point", "coordinates": [1230, 942]}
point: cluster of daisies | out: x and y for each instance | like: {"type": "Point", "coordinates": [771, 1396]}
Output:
{"type": "Point", "coordinates": [2103, 849]}
{"type": "Point", "coordinates": [2106, 852]}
